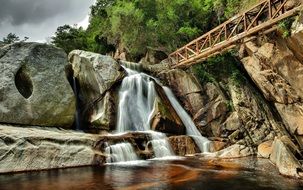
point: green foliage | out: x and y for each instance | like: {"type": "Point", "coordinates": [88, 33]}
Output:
{"type": "Point", "coordinates": [141, 24]}
{"type": "Point", "coordinates": [12, 38]}
{"type": "Point", "coordinates": [70, 38]}
{"type": "Point", "coordinates": [285, 27]}
{"type": "Point", "coordinates": [220, 68]}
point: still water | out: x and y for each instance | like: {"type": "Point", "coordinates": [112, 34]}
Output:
{"type": "Point", "coordinates": [197, 174]}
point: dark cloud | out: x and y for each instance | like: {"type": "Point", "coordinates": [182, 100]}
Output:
{"type": "Point", "coordinates": [38, 19]}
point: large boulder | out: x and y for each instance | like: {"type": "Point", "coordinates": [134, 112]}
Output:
{"type": "Point", "coordinates": [34, 89]}
{"type": "Point", "coordinates": [283, 157]}
{"type": "Point", "coordinates": [33, 148]}
{"type": "Point", "coordinates": [96, 75]}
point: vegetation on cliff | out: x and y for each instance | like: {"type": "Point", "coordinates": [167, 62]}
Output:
{"type": "Point", "coordinates": [137, 25]}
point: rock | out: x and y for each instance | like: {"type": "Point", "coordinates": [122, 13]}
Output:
{"type": "Point", "coordinates": [34, 89]}
{"type": "Point", "coordinates": [265, 149]}
{"type": "Point", "coordinates": [274, 87]}
{"type": "Point", "coordinates": [104, 117]}
{"type": "Point", "coordinates": [213, 112]}
{"type": "Point", "coordinates": [283, 157]}
{"type": "Point", "coordinates": [258, 122]}
{"type": "Point", "coordinates": [186, 87]}
{"type": "Point", "coordinates": [95, 74]}
{"type": "Point", "coordinates": [278, 72]}
{"type": "Point", "coordinates": [233, 122]}
{"type": "Point", "coordinates": [164, 118]}
{"type": "Point", "coordinates": [157, 68]}
{"type": "Point", "coordinates": [183, 145]}
{"type": "Point", "coordinates": [215, 146]}
{"type": "Point", "coordinates": [234, 151]}
{"type": "Point", "coordinates": [153, 57]}
{"type": "Point", "coordinates": [33, 148]}
{"type": "Point", "coordinates": [292, 115]}
{"type": "Point", "coordinates": [295, 41]}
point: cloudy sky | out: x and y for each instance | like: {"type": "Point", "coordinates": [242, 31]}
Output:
{"type": "Point", "coordinates": [39, 19]}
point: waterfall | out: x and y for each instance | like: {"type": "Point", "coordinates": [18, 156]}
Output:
{"type": "Point", "coordinates": [122, 152]}
{"type": "Point", "coordinates": [137, 97]}
{"type": "Point", "coordinates": [191, 129]}
{"type": "Point", "coordinates": [161, 146]}
{"type": "Point", "coordinates": [136, 106]}
{"type": "Point", "coordinates": [78, 109]}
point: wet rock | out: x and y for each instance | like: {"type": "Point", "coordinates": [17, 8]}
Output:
{"type": "Point", "coordinates": [96, 74]}
{"type": "Point", "coordinates": [217, 146]}
{"type": "Point", "coordinates": [282, 156]}
{"type": "Point", "coordinates": [164, 117]}
{"type": "Point", "coordinates": [183, 145]}
{"type": "Point", "coordinates": [34, 89]}
{"type": "Point", "coordinates": [32, 148]}
{"type": "Point", "coordinates": [265, 149]}
{"type": "Point", "coordinates": [186, 87]}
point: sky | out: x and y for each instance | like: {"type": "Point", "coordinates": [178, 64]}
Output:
{"type": "Point", "coordinates": [39, 19]}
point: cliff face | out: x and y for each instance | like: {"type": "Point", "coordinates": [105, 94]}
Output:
{"type": "Point", "coordinates": [276, 67]}
{"type": "Point", "coordinates": [263, 114]}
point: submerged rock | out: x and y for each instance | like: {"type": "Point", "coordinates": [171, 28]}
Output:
{"type": "Point", "coordinates": [96, 74]}
{"type": "Point", "coordinates": [34, 89]}
{"type": "Point", "coordinates": [33, 148]}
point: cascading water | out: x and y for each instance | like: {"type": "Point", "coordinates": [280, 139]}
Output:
{"type": "Point", "coordinates": [136, 107]}
{"type": "Point", "coordinates": [161, 146]}
{"type": "Point", "coordinates": [191, 129]}
{"type": "Point", "coordinates": [122, 152]}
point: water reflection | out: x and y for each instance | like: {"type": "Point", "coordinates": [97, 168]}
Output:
{"type": "Point", "coordinates": [157, 174]}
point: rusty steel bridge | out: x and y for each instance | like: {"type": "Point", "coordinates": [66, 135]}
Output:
{"type": "Point", "coordinates": [261, 18]}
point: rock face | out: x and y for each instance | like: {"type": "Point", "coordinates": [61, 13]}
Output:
{"type": "Point", "coordinates": [278, 73]}
{"type": "Point", "coordinates": [96, 74]}
{"type": "Point", "coordinates": [185, 87]}
{"type": "Point", "coordinates": [25, 149]}
{"type": "Point", "coordinates": [34, 89]}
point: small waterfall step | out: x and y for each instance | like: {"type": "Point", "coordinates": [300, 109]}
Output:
{"type": "Point", "coordinates": [122, 152]}
{"type": "Point", "coordinates": [160, 145]}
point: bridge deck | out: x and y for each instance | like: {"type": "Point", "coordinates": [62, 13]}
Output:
{"type": "Point", "coordinates": [261, 18]}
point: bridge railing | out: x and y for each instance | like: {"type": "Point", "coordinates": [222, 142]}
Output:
{"type": "Point", "coordinates": [260, 17]}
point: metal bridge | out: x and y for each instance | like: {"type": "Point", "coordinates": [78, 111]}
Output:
{"type": "Point", "coordinates": [262, 18]}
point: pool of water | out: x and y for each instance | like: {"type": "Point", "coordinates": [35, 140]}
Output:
{"type": "Point", "coordinates": [158, 174]}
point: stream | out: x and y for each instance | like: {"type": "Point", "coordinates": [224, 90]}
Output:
{"type": "Point", "coordinates": [246, 173]}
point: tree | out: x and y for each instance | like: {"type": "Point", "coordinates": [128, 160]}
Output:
{"type": "Point", "coordinates": [69, 38]}
{"type": "Point", "coordinates": [10, 38]}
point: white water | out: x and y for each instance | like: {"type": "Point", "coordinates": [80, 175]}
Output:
{"type": "Point", "coordinates": [160, 145]}
{"type": "Point", "coordinates": [122, 152]}
{"type": "Point", "coordinates": [191, 129]}
{"type": "Point", "coordinates": [137, 97]}
{"type": "Point", "coordinates": [136, 106]}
